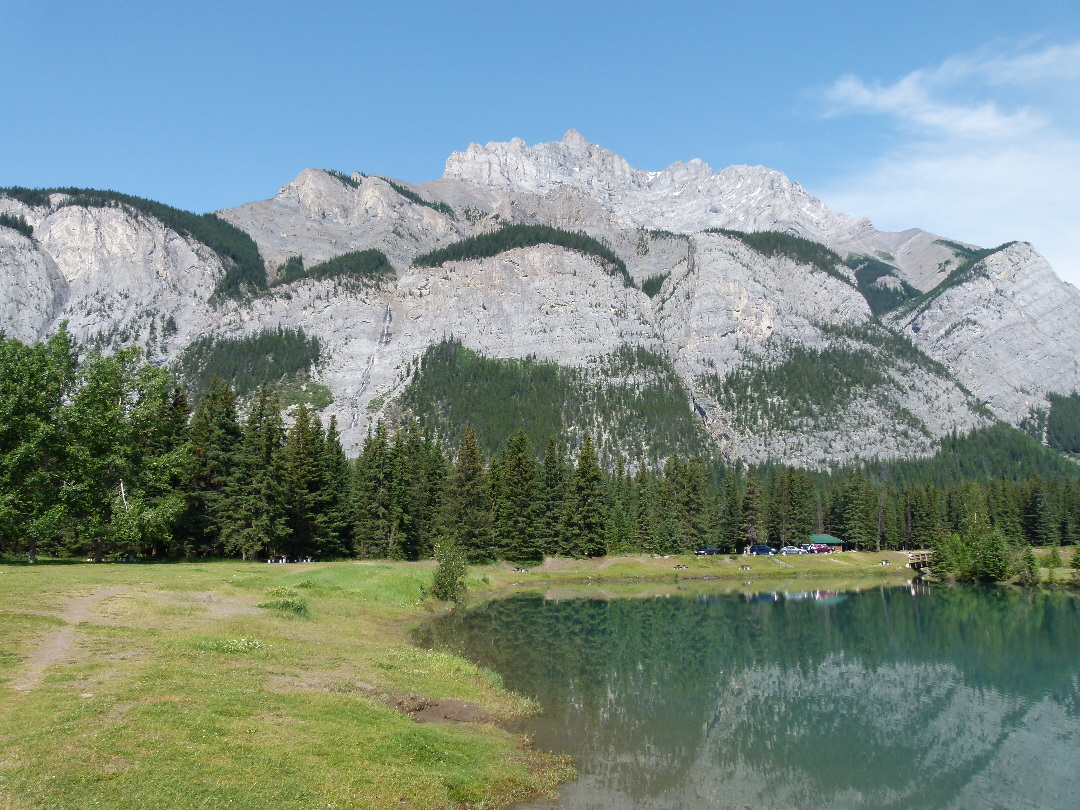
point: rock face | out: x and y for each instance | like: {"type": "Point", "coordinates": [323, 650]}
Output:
{"type": "Point", "coordinates": [684, 197]}
{"type": "Point", "coordinates": [1011, 333]}
{"type": "Point", "coordinates": [115, 275]}
{"type": "Point", "coordinates": [718, 307]}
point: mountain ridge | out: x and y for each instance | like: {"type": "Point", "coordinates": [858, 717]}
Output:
{"type": "Point", "coordinates": [715, 307]}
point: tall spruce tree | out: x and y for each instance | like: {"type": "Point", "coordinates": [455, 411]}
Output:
{"type": "Point", "coordinates": [586, 506]}
{"type": "Point", "coordinates": [552, 497]}
{"type": "Point", "coordinates": [372, 495]}
{"type": "Point", "coordinates": [754, 529]}
{"type": "Point", "coordinates": [466, 508]}
{"type": "Point", "coordinates": [516, 533]}
{"type": "Point", "coordinates": [334, 500]}
{"type": "Point", "coordinates": [255, 495]}
{"type": "Point", "coordinates": [303, 477]}
{"type": "Point", "coordinates": [215, 441]}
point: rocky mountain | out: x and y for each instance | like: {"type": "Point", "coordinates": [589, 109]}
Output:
{"type": "Point", "coordinates": [770, 341]}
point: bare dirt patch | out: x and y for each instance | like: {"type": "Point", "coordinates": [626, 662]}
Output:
{"type": "Point", "coordinates": [420, 708]}
{"type": "Point", "coordinates": [60, 645]}
{"type": "Point", "coordinates": [214, 605]}
{"type": "Point", "coordinates": [555, 564]}
{"type": "Point", "coordinates": [429, 710]}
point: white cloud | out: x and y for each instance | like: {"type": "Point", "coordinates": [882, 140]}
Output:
{"type": "Point", "coordinates": [988, 150]}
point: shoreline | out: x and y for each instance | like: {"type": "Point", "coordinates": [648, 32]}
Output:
{"type": "Point", "coordinates": [177, 683]}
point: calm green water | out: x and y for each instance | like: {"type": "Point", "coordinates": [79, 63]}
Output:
{"type": "Point", "coordinates": [942, 697]}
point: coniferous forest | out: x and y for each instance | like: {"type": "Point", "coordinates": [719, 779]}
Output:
{"type": "Point", "coordinates": [107, 456]}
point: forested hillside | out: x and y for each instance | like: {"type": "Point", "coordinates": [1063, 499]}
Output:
{"type": "Point", "coordinates": [365, 267]}
{"type": "Point", "coordinates": [244, 269]}
{"type": "Point", "coordinates": [509, 237]}
{"type": "Point", "coordinates": [106, 457]}
{"type": "Point", "coordinates": [632, 398]}
{"type": "Point", "coordinates": [270, 357]}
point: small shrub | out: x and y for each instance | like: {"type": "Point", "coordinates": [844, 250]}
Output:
{"type": "Point", "coordinates": [296, 605]}
{"type": "Point", "coordinates": [306, 583]}
{"type": "Point", "coordinates": [448, 584]}
{"type": "Point", "coordinates": [282, 590]}
{"type": "Point", "coordinates": [1027, 567]}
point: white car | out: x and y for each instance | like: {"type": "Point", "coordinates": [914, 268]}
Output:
{"type": "Point", "coordinates": [793, 550]}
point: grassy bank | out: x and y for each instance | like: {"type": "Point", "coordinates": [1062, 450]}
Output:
{"type": "Point", "coordinates": [167, 686]}
{"type": "Point", "coordinates": [250, 685]}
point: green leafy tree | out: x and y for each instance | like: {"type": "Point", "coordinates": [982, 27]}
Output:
{"type": "Point", "coordinates": [34, 382]}
{"type": "Point", "coordinates": [124, 468]}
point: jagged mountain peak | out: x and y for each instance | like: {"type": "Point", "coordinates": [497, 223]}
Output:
{"type": "Point", "coordinates": [718, 312]}
{"type": "Point", "coordinates": [684, 197]}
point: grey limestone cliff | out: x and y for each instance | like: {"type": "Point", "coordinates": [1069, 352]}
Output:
{"type": "Point", "coordinates": [1008, 333]}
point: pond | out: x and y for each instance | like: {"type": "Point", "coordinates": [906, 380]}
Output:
{"type": "Point", "coordinates": [909, 697]}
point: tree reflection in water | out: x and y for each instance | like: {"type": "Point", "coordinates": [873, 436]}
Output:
{"type": "Point", "coordinates": [936, 697]}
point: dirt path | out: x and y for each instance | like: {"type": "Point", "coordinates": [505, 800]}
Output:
{"type": "Point", "coordinates": [60, 644]}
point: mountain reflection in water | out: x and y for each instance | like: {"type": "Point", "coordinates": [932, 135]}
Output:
{"type": "Point", "coordinates": [933, 697]}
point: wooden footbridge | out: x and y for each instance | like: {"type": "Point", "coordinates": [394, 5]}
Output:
{"type": "Point", "coordinates": [919, 560]}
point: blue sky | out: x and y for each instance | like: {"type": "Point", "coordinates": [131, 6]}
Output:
{"type": "Point", "coordinates": [957, 117]}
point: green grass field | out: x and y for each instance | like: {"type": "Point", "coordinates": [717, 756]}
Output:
{"type": "Point", "coordinates": [246, 685]}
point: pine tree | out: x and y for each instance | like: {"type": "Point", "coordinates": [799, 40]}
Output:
{"type": "Point", "coordinates": [215, 441]}
{"type": "Point", "coordinates": [753, 517]}
{"type": "Point", "coordinates": [586, 506]}
{"type": "Point", "coordinates": [552, 497]}
{"type": "Point", "coordinates": [334, 498]}
{"type": "Point", "coordinates": [516, 533]}
{"type": "Point", "coordinates": [466, 508]}
{"type": "Point", "coordinates": [731, 522]}
{"type": "Point", "coordinates": [372, 496]}
{"type": "Point", "coordinates": [620, 513]}
{"type": "Point", "coordinates": [303, 479]}
{"type": "Point", "coordinates": [254, 501]}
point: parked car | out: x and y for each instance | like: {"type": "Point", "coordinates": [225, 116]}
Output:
{"type": "Point", "coordinates": [820, 548]}
{"type": "Point", "coordinates": [793, 550]}
{"type": "Point", "coordinates": [706, 551]}
{"type": "Point", "coordinates": [762, 551]}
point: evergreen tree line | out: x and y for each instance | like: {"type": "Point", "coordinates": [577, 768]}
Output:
{"type": "Point", "coordinates": [798, 248]}
{"type": "Point", "coordinates": [511, 236]}
{"type": "Point", "coordinates": [105, 457]}
{"type": "Point", "coordinates": [412, 196]}
{"type": "Point", "coordinates": [365, 266]}
{"type": "Point", "coordinates": [270, 355]}
{"type": "Point", "coordinates": [18, 223]}
{"type": "Point", "coordinates": [965, 270]}
{"type": "Point", "coordinates": [244, 268]}
{"type": "Point", "coordinates": [881, 299]}
{"type": "Point", "coordinates": [632, 397]}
